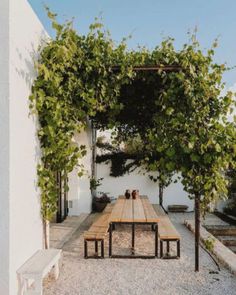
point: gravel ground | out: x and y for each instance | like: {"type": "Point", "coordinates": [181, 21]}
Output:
{"type": "Point", "coordinates": [79, 276]}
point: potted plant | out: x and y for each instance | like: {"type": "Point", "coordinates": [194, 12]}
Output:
{"type": "Point", "coordinates": [94, 183]}
{"type": "Point", "coordinates": [99, 203]}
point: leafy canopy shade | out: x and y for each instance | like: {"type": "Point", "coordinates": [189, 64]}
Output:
{"type": "Point", "coordinates": [177, 111]}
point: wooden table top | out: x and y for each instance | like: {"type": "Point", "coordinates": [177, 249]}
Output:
{"type": "Point", "coordinates": [137, 210]}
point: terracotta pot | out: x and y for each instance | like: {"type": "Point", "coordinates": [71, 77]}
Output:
{"type": "Point", "coordinates": [127, 194]}
{"type": "Point", "coordinates": [134, 194]}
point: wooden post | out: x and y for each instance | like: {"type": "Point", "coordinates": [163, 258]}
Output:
{"type": "Point", "coordinates": [197, 230]}
{"type": "Point", "coordinates": [160, 195]}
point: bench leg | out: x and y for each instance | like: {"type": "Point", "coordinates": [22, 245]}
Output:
{"type": "Point", "coordinates": [102, 248]}
{"type": "Point", "coordinates": [85, 249]}
{"type": "Point", "coordinates": [22, 285]}
{"type": "Point", "coordinates": [168, 247]}
{"type": "Point", "coordinates": [56, 270]}
{"type": "Point", "coordinates": [178, 248]}
{"type": "Point", "coordinates": [167, 256]}
{"type": "Point", "coordinates": [38, 290]}
{"type": "Point", "coordinates": [96, 248]}
{"type": "Point", "coordinates": [161, 248]}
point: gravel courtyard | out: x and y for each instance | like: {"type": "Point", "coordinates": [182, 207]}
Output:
{"type": "Point", "coordinates": [79, 276]}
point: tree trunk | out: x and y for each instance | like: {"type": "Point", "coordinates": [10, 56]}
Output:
{"type": "Point", "coordinates": [46, 233]}
{"type": "Point", "coordinates": [197, 230]}
{"type": "Point", "coordinates": [161, 190]}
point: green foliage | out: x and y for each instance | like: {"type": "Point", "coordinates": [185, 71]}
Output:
{"type": "Point", "coordinates": [178, 116]}
{"type": "Point", "coordinates": [75, 80]}
{"type": "Point", "coordinates": [181, 118]}
{"type": "Point", "coordinates": [125, 157]}
{"type": "Point", "coordinates": [209, 243]}
{"type": "Point", "coordinates": [94, 183]}
{"type": "Point", "coordinates": [231, 175]}
{"type": "Point", "coordinates": [231, 204]}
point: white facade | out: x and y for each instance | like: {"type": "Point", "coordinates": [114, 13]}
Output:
{"type": "Point", "coordinates": [20, 221]}
{"type": "Point", "coordinates": [174, 194]}
{"type": "Point", "coordinates": [115, 186]}
{"type": "Point", "coordinates": [4, 147]}
{"type": "Point", "coordinates": [79, 195]}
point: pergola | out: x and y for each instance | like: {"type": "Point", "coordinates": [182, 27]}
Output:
{"type": "Point", "coordinates": [168, 69]}
{"type": "Point", "coordinates": [82, 76]}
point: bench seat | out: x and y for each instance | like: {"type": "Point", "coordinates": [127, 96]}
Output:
{"type": "Point", "coordinates": [167, 233]}
{"type": "Point", "coordinates": [96, 233]}
{"type": "Point", "coordinates": [108, 208]}
{"type": "Point", "coordinates": [36, 268]}
{"type": "Point", "coordinates": [167, 229]}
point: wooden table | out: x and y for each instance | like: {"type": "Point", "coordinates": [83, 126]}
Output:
{"type": "Point", "coordinates": [133, 212]}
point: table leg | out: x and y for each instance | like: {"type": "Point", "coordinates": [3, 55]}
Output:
{"type": "Point", "coordinates": [110, 240]}
{"type": "Point", "coordinates": [96, 248]}
{"type": "Point", "coordinates": [133, 237]}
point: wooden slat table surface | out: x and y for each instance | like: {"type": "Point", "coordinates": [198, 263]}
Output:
{"type": "Point", "coordinates": [150, 213]}
{"type": "Point", "coordinates": [127, 214]}
{"type": "Point", "coordinates": [137, 210]}
{"type": "Point", "coordinates": [117, 211]}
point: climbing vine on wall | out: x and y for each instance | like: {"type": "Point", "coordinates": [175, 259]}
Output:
{"type": "Point", "coordinates": [75, 80]}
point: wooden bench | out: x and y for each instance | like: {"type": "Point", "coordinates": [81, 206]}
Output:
{"type": "Point", "coordinates": [108, 208]}
{"type": "Point", "coordinates": [97, 232]}
{"type": "Point", "coordinates": [167, 233]}
{"type": "Point", "coordinates": [36, 268]}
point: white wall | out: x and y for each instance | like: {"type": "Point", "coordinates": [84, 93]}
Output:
{"type": "Point", "coordinates": [79, 194]}
{"type": "Point", "coordinates": [4, 147]}
{"type": "Point", "coordinates": [174, 194]}
{"type": "Point", "coordinates": [20, 201]}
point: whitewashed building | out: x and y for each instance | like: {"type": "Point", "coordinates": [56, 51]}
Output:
{"type": "Point", "coordinates": [20, 221]}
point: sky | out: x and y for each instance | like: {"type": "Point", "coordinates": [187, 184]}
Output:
{"type": "Point", "coordinates": [149, 21]}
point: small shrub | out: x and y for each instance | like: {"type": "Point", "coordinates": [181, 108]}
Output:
{"type": "Point", "coordinates": [209, 243]}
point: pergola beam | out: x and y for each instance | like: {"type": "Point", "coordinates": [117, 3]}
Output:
{"type": "Point", "coordinates": [171, 68]}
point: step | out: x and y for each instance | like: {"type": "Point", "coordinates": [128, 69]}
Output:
{"type": "Point", "coordinates": [228, 240]}
{"type": "Point", "coordinates": [233, 249]}
{"type": "Point", "coordinates": [222, 230]}
{"type": "Point", "coordinates": [177, 208]}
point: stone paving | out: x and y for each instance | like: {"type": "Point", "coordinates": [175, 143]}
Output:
{"type": "Point", "coordinates": [60, 233]}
